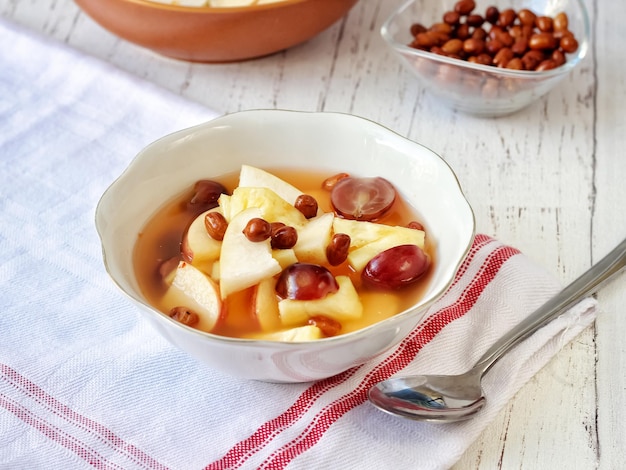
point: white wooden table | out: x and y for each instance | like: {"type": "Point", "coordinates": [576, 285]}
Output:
{"type": "Point", "coordinates": [549, 180]}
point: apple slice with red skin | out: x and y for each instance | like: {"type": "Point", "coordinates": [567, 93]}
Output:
{"type": "Point", "coordinates": [265, 305]}
{"type": "Point", "coordinates": [197, 245]}
{"type": "Point", "coordinates": [196, 291]}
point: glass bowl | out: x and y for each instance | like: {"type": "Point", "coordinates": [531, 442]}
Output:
{"type": "Point", "coordinates": [482, 90]}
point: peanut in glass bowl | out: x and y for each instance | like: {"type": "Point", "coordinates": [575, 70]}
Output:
{"type": "Point", "coordinates": [482, 90]}
{"type": "Point", "coordinates": [285, 139]}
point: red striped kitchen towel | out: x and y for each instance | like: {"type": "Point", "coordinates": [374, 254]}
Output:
{"type": "Point", "coordinates": [86, 383]}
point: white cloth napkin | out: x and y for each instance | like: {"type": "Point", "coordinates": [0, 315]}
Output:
{"type": "Point", "coordinates": [85, 382]}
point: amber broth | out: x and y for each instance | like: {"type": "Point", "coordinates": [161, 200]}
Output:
{"type": "Point", "coordinates": [161, 239]}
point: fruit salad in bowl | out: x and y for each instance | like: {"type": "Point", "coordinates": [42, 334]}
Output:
{"type": "Point", "coordinates": [269, 261]}
{"type": "Point", "coordinates": [272, 254]}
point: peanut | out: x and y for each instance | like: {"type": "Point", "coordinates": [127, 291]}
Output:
{"type": "Point", "coordinates": [330, 182]}
{"type": "Point", "coordinates": [184, 315]}
{"type": "Point", "coordinates": [215, 225]}
{"type": "Point", "coordinates": [283, 238]}
{"type": "Point", "coordinates": [337, 250]}
{"type": "Point", "coordinates": [461, 35]}
{"type": "Point", "coordinates": [257, 230]}
{"type": "Point", "coordinates": [329, 326]}
{"type": "Point", "coordinates": [307, 205]}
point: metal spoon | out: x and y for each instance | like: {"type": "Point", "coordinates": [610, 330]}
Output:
{"type": "Point", "coordinates": [446, 398]}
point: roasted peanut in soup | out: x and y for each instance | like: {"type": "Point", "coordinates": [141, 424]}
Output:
{"type": "Point", "coordinates": [284, 255]}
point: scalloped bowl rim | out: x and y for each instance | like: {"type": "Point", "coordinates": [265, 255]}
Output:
{"type": "Point", "coordinates": [287, 117]}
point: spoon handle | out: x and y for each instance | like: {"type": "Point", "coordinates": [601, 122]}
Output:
{"type": "Point", "coordinates": [584, 285]}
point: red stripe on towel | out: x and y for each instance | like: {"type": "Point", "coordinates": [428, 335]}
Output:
{"type": "Point", "coordinates": [396, 362]}
{"type": "Point", "coordinates": [57, 435]}
{"type": "Point", "coordinates": [80, 424]}
{"type": "Point", "coordinates": [242, 451]}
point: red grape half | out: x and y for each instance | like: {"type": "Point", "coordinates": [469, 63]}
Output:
{"type": "Point", "coordinates": [396, 267]}
{"type": "Point", "coordinates": [306, 281]}
{"type": "Point", "coordinates": [362, 198]}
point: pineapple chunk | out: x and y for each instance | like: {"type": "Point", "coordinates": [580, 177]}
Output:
{"type": "Point", "coordinates": [341, 305]}
{"type": "Point", "coordinates": [363, 232]}
{"type": "Point", "coordinates": [272, 207]}
{"type": "Point", "coordinates": [367, 239]}
{"type": "Point", "coordinates": [224, 204]}
{"type": "Point", "coordinates": [359, 258]}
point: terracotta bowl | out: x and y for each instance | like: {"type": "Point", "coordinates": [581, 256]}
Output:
{"type": "Point", "coordinates": [210, 34]}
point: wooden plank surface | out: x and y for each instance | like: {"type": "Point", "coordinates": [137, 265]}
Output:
{"type": "Point", "coordinates": [549, 180]}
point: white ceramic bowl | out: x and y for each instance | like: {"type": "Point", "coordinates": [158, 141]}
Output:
{"type": "Point", "coordinates": [270, 139]}
{"type": "Point", "coordinates": [481, 90]}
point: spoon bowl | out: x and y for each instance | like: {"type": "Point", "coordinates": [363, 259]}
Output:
{"type": "Point", "coordinates": [449, 398]}
{"type": "Point", "coordinates": [430, 398]}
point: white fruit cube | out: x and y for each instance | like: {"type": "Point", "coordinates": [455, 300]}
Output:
{"type": "Point", "coordinates": [224, 204]}
{"type": "Point", "coordinates": [341, 305]}
{"type": "Point", "coordinates": [285, 257]}
{"type": "Point", "coordinates": [313, 239]}
{"type": "Point", "coordinates": [207, 267]}
{"type": "Point", "coordinates": [244, 263]}
{"type": "Point", "coordinates": [215, 271]}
